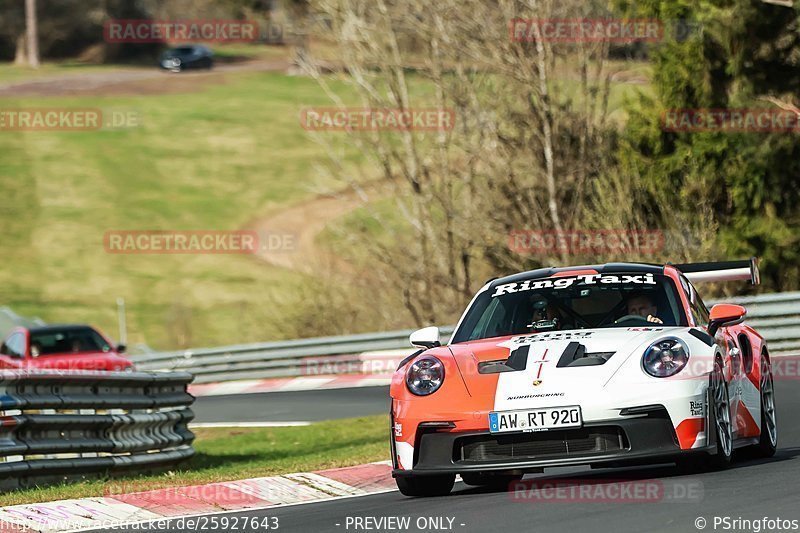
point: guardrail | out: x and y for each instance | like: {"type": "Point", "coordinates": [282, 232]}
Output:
{"type": "Point", "coordinates": [272, 359]}
{"type": "Point", "coordinates": [58, 426]}
{"type": "Point", "coordinates": [776, 316]}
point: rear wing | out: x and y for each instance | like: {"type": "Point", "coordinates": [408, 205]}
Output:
{"type": "Point", "coordinates": [746, 269]}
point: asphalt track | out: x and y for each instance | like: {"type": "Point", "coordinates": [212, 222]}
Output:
{"type": "Point", "coordinates": [748, 490]}
{"type": "Point", "coordinates": [294, 406]}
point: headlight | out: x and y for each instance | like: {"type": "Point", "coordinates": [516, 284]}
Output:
{"type": "Point", "coordinates": [666, 357]}
{"type": "Point", "coordinates": [425, 375]}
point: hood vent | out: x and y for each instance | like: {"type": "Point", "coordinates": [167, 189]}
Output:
{"type": "Point", "coordinates": [575, 354]}
{"type": "Point", "coordinates": [517, 360]}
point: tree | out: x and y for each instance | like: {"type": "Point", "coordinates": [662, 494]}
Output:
{"type": "Point", "coordinates": [32, 34]}
{"type": "Point", "coordinates": [745, 184]}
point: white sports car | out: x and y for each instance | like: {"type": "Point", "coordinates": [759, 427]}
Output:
{"type": "Point", "coordinates": [604, 365]}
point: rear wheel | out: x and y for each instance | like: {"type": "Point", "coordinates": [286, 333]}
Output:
{"type": "Point", "coordinates": [721, 408]}
{"type": "Point", "coordinates": [768, 442]}
{"type": "Point", "coordinates": [426, 485]}
{"type": "Point", "coordinates": [498, 481]}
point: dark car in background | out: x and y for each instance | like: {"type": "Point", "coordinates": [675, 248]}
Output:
{"type": "Point", "coordinates": [62, 347]}
{"type": "Point", "coordinates": [193, 56]}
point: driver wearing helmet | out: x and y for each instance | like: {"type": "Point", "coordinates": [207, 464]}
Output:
{"type": "Point", "coordinates": [545, 314]}
{"type": "Point", "coordinates": [642, 304]}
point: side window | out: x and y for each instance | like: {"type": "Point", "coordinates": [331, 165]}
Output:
{"type": "Point", "coordinates": [702, 311]}
{"type": "Point", "coordinates": [687, 291]}
{"type": "Point", "coordinates": [14, 346]}
{"type": "Point", "coordinates": [698, 308]}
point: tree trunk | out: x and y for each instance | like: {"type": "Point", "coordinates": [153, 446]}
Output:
{"type": "Point", "coordinates": [21, 55]}
{"type": "Point", "coordinates": [32, 33]}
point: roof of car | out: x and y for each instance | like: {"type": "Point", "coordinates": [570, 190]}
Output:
{"type": "Point", "coordinates": [600, 269]}
{"type": "Point", "coordinates": [52, 328]}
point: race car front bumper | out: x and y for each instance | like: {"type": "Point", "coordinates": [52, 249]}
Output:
{"type": "Point", "coordinates": [642, 438]}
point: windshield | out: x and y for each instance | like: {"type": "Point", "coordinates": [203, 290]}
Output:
{"type": "Point", "coordinates": [572, 302]}
{"type": "Point", "coordinates": [67, 341]}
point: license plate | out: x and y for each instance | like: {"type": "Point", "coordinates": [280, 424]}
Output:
{"type": "Point", "coordinates": [535, 419]}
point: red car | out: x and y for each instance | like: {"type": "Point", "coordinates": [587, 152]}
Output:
{"type": "Point", "coordinates": [62, 347]}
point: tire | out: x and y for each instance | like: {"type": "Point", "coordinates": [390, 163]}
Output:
{"type": "Point", "coordinates": [497, 481]}
{"type": "Point", "coordinates": [426, 485]}
{"type": "Point", "coordinates": [721, 405]}
{"type": "Point", "coordinates": [768, 443]}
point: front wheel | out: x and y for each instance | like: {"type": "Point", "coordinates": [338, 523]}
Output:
{"type": "Point", "coordinates": [426, 485]}
{"type": "Point", "coordinates": [721, 408]}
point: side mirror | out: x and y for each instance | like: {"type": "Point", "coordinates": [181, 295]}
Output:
{"type": "Point", "coordinates": [725, 315]}
{"type": "Point", "coordinates": [121, 348]}
{"type": "Point", "coordinates": [425, 337]}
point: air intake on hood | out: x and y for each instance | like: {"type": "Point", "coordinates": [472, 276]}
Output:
{"type": "Point", "coordinates": [575, 354]}
{"type": "Point", "coordinates": [517, 360]}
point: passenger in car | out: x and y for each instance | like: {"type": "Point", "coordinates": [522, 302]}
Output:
{"type": "Point", "coordinates": [642, 304]}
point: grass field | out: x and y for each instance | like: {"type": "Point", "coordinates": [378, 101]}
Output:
{"type": "Point", "coordinates": [229, 454]}
{"type": "Point", "coordinates": [212, 158]}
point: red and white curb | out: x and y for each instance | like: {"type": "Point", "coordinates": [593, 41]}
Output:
{"type": "Point", "coordinates": [289, 384]}
{"type": "Point", "coordinates": [259, 493]}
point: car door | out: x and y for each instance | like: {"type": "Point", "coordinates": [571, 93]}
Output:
{"type": "Point", "coordinates": [12, 351]}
